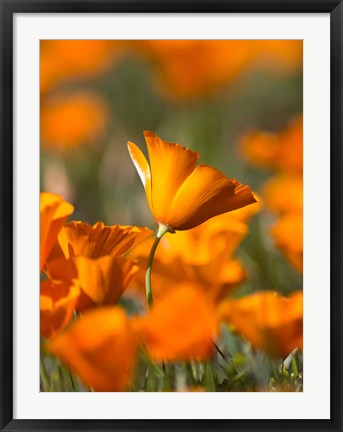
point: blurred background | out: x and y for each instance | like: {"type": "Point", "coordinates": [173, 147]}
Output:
{"type": "Point", "coordinates": [237, 103]}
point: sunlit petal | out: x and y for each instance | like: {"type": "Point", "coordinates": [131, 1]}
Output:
{"type": "Point", "coordinates": [170, 165]}
{"type": "Point", "coordinates": [142, 168]}
{"type": "Point", "coordinates": [102, 281]}
{"type": "Point", "coordinates": [206, 193]}
{"type": "Point", "coordinates": [80, 239]}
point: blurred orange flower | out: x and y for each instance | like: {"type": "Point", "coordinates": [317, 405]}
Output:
{"type": "Point", "coordinates": [54, 212]}
{"type": "Point", "coordinates": [102, 281]}
{"type": "Point", "coordinates": [188, 68]}
{"type": "Point", "coordinates": [80, 239]}
{"type": "Point", "coordinates": [57, 303]}
{"type": "Point", "coordinates": [222, 233]}
{"type": "Point", "coordinates": [280, 55]}
{"type": "Point", "coordinates": [180, 195]}
{"type": "Point", "coordinates": [202, 256]}
{"type": "Point", "coordinates": [269, 321]}
{"type": "Point", "coordinates": [185, 68]}
{"type": "Point", "coordinates": [165, 276]}
{"type": "Point", "coordinates": [282, 151]}
{"type": "Point", "coordinates": [66, 59]}
{"type": "Point", "coordinates": [180, 326]}
{"type": "Point", "coordinates": [284, 193]}
{"type": "Point", "coordinates": [288, 236]}
{"type": "Point", "coordinates": [72, 119]}
{"type": "Point", "coordinates": [100, 347]}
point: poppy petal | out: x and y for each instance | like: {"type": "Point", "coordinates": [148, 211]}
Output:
{"type": "Point", "coordinates": [288, 236]}
{"type": "Point", "coordinates": [100, 347]}
{"type": "Point", "coordinates": [54, 212]}
{"type": "Point", "coordinates": [206, 193]}
{"type": "Point", "coordinates": [170, 317]}
{"type": "Point", "coordinates": [102, 281]}
{"type": "Point", "coordinates": [170, 165]}
{"type": "Point", "coordinates": [284, 193]}
{"type": "Point", "coordinates": [142, 168]}
{"type": "Point", "coordinates": [57, 303]}
{"type": "Point", "coordinates": [80, 239]}
{"type": "Point", "coordinates": [268, 320]}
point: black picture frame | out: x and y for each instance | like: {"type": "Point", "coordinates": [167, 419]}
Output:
{"type": "Point", "coordinates": [11, 7]}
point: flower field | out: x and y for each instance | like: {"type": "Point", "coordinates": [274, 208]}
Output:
{"type": "Point", "coordinates": [171, 216]}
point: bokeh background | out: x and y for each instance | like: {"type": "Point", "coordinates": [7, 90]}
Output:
{"type": "Point", "coordinates": [237, 103]}
{"type": "Point", "coordinates": [205, 95]}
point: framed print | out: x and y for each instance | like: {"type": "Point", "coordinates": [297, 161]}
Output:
{"type": "Point", "coordinates": [174, 168]}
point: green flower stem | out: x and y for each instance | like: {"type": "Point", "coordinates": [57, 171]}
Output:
{"type": "Point", "coordinates": [162, 229]}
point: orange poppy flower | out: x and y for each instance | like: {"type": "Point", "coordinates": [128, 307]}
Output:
{"type": "Point", "coordinates": [284, 193]}
{"type": "Point", "coordinates": [181, 195]}
{"type": "Point", "coordinates": [100, 347]}
{"type": "Point", "coordinates": [222, 233]}
{"type": "Point", "coordinates": [80, 239]}
{"type": "Point", "coordinates": [68, 59]}
{"type": "Point", "coordinates": [182, 66]}
{"type": "Point", "coordinates": [185, 68]}
{"type": "Point", "coordinates": [72, 119]}
{"type": "Point", "coordinates": [269, 321]}
{"type": "Point", "coordinates": [165, 278]}
{"type": "Point", "coordinates": [180, 326]}
{"type": "Point", "coordinates": [282, 151]}
{"type": "Point", "coordinates": [217, 237]}
{"type": "Point", "coordinates": [288, 236]}
{"type": "Point", "coordinates": [57, 303]}
{"type": "Point", "coordinates": [188, 68]}
{"type": "Point", "coordinates": [102, 281]}
{"type": "Point", "coordinates": [202, 256]}
{"type": "Point", "coordinates": [54, 212]}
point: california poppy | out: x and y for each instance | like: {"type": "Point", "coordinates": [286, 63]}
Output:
{"type": "Point", "coordinates": [288, 236]}
{"type": "Point", "coordinates": [185, 68]}
{"type": "Point", "coordinates": [181, 195]}
{"type": "Point", "coordinates": [166, 276]}
{"type": "Point", "coordinates": [202, 256]}
{"type": "Point", "coordinates": [58, 300]}
{"type": "Point", "coordinates": [180, 326]}
{"type": "Point", "coordinates": [68, 59]}
{"type": "Point", "coordinates": [282, 151]}
{"type": "Point", "coordinates": [54, 212]}
{"type": "Point", "coordinates": [94, 241]}
{"type": "Point", "coordinates": [72, 119]}
{"type": "Point", "coordinates": [271, 322]}
{"type": "Point", "coordinates": [100, 347]}
{"type": "Point", "coordinates": [284, 193]}
{"type": "Point", "coordinates": [190, 68]}
{"type": "Point", "coordinates": [102, 281]}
